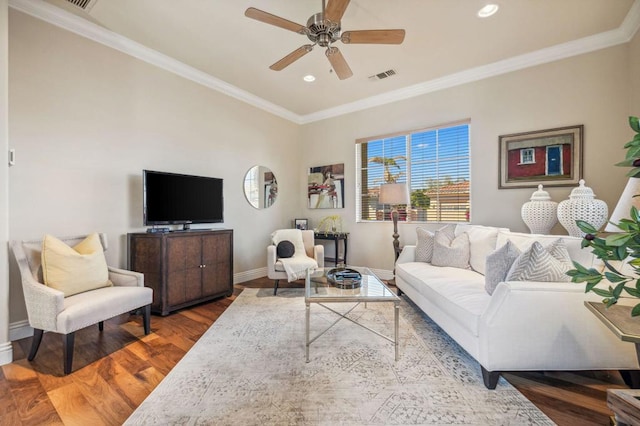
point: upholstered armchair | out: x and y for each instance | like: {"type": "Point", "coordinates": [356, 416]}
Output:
{"type": "Point", "coordinates": [49, 310]}
{"type": "Point", "coordinates": [275, 267]}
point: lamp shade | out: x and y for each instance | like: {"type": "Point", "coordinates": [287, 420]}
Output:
{"type": "Point", "coordinates": [394, 194]}
{"type": "Point", "coordinates": [627, 200]}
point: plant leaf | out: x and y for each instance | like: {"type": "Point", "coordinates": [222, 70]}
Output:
{"type": "Point", "coordinates": [586, 227]}
{"type": "Point", "coordinates": [602, 293]}
{"type": "Point", "coordinates": [635, 124]}
{"type": "Point", "coordinates": [615, 278]}
{"type": "Point", "coordinates": [618, 239]}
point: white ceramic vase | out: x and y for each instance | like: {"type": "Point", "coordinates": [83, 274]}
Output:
{"type": "Point", "coordinates": [540, 213]}
{"type": "Point", "coordinates": [582, 205]}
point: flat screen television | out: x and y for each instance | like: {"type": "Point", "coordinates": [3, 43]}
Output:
{"type": "Point", "coordinates": [170, 198]}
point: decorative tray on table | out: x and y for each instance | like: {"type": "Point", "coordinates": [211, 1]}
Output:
{"type": "Point", "coordinates": [344, 278]}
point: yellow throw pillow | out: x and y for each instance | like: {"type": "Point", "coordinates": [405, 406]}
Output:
{"type": "Point", "coordinates": [77, 269]}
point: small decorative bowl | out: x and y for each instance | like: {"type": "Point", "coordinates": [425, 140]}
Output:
{"type": "Point", "coordinates": [344, 278]}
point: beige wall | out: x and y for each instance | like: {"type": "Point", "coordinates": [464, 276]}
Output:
{"type": "Point", "coordinates": [85, 120]}
{"type": "Point", "coordinates": [590, 89]}
{"type": "Point", "coordinates": [634, 84]}
{"type": "Point", "coordinates": [5, 346]}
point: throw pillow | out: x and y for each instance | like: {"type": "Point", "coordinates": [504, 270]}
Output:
{"type": "Point", "coordinates": [450, 251]}
{"type": "Point", "coordinates": [285, 249]}
{"type": "Point", "coordinates": [538, 264]}
{"type": "Point", "coordinates": [498, 264]}
{"type": "Point", "coordinates": [424, 245]}
{"type": "Point", "coordinates": [77, 269]}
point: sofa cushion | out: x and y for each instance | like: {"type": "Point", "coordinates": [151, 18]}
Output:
{"type": "Point", "coordinates": [448, 251]}
{"type": "Point", "coordinates": [498, 265]}
{"type": "Point", "coordinates": [573, 245]}
{"type": "Point", "coordinates": [482, 241]}
{"type": "Point", "coordinates": [77, 269]}
{"type": "Point", "coordinates": [424, 245]}
{"type": "Point", "coordinates": [542, 264]}
{"type": "Point", "coordinates": [458, 292]}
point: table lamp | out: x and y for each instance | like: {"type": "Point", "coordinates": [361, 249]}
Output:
{"type": "Point", "coordinates": [628, 199]}
{"type": "Point", "coordinates": [394, 194]}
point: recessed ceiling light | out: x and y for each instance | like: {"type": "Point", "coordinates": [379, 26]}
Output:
{"type": "Point", "coordinates": [309, 78]}
{"type": "Point", "coordinates": [488, 10]}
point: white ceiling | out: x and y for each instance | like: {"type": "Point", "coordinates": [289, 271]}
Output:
{"type": "Point", "coordinates": [445, 43]}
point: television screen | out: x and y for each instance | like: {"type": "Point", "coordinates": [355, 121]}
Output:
{"type": "Point", "coordinates": [170, 198]}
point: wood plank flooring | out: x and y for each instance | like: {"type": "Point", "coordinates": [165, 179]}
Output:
{"type": "Point", "coordinates": [114, 371]}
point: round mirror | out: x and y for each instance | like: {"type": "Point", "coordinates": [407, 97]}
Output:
{"type": "Point", "coordinates": [260, 187]}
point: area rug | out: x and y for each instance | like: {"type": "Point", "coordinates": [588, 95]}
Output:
{"type": "Point", "coordinates": [249, 369]}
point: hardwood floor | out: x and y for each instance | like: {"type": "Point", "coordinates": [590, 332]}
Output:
{"type": "Point", "coordinates": [114, 372]}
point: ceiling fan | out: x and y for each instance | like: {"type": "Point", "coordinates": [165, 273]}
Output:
{"type": "Point", "coordinates": [324, 29]}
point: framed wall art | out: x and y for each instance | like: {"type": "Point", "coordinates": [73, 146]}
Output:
{"type": "Point", "coordinates": [302, 224]}
{"type": "Point", "coordinates": [325, 187]}
{"type": "Point", "coordinates": [550, 157]}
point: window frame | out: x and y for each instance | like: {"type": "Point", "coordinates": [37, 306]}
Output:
{"type": "Point", "coordinates": [360, 197]}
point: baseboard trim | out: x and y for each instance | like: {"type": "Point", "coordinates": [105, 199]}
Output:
{"type": "Point", "coordinates": [249, 275]}
{"type": "Point", "coordinates": [20, 330]}
{"type": "Point", "coordinates": [6, 353]}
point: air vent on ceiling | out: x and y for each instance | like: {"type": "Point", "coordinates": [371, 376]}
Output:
{"type": "Point", "coordinates": [382, 75]}
{"type": "Point", "coordinates": [85, 5]}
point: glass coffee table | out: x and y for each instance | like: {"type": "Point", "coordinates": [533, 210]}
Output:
{"type": "Point", "coordinates": [325, 286]}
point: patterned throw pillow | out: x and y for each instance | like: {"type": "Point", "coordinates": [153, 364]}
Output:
{"type": "Point", "coordinates": [540, 264]}
{"type": "Point", "coordinates": [424, 245]}
{"type": "Point", "coordinates": [498, 264]}
{"type": "Point", "coordinates": [450, 251]}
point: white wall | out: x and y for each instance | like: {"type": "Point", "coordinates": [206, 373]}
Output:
{"type": "Point", "coordinates": [590, 89]}
{"type": "Point", "coordinates": [6, 353]}
{"type": "Point", "coordinates": [85, 120]}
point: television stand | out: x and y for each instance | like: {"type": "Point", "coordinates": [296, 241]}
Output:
{"type": "Point", "coordinates": [183, 268]}
{"type": "Point", "coordinates": [186, 226]}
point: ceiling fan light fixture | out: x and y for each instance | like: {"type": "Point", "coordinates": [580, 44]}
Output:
{"type": "Point", "coordinates": [488, 10]}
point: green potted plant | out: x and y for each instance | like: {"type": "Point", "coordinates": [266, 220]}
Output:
{"type": "Point", "coordinates": [616, 248]}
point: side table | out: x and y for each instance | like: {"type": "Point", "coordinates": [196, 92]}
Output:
{"type": "Point", "coordinates": [623, 402]}
{"type": "Point", "coordinates": [336, 237]}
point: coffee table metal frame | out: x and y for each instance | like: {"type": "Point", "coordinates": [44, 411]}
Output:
{"type": "Point", "coordinates": [370, 290]}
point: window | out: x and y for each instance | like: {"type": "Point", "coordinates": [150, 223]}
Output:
{"type": "Point", "coordinates": [434, 163]}
{"type": "Point", "coordinates": [527, 156]}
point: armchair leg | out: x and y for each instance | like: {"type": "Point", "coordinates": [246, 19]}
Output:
{"type": "Point", "coordinates": [67, 351]}
{"type": "Point", "coordinates": [146, 319]}
{"type": "Point", "coordinates": [35, 343]}
{"type": "Point", "coordinates": [101, 326]}
{"type": "Point", "coordinates": [275, 287]}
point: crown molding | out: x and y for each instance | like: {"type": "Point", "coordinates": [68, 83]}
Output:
{"type": "Point", "coordinates": [621, 35]}
{"type": "Point", "coordinates": [63, 19]}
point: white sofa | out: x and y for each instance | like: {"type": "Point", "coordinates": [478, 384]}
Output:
{"type": "Point", "coordinates": [522, 325]}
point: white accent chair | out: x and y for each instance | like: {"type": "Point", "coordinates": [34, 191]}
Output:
{"type": "Point", "coordinates": [275, 269]}
{"type": "Point", "coordinates": [49, 310]}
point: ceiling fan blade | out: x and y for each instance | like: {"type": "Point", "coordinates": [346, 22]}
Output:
{"type": "Point", "coordinates": [373, 37]}
{"type": "Point", "coordinates": [338, 63]}
{"type": "Point", "coordinates": [335, 9]}
{"type": "Point", "coordinates": [267, 18]}
{"type": "Point", "coordinates": [292, 57]}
